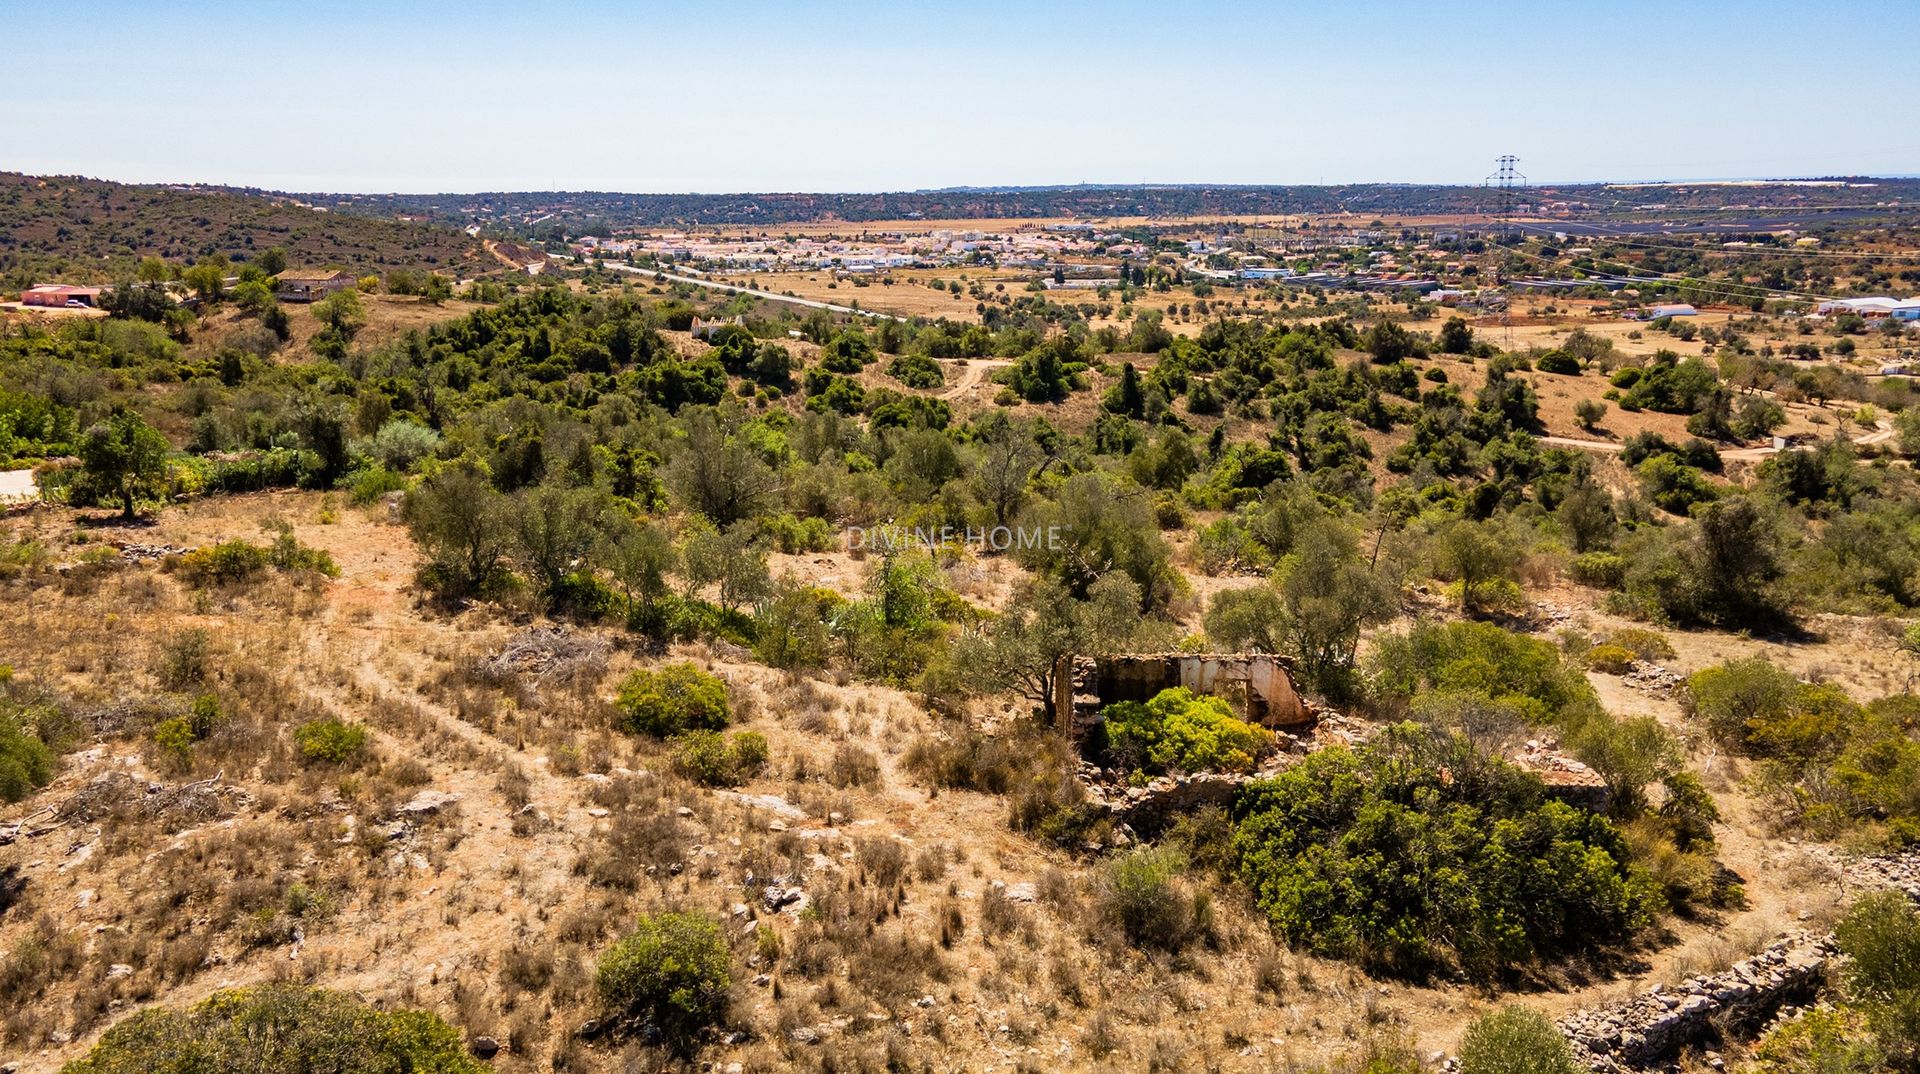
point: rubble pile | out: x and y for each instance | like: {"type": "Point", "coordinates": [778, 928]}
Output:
{"type": "Point", "coordinates": [135, 553]}
{"type": "Point", "coordinates": [1566, 779]}
{"type": "Point", "coordinates": [1649, 677]}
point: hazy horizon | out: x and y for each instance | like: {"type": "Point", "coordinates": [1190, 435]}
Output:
{"type": "Point", "coordinates": [760, 97]}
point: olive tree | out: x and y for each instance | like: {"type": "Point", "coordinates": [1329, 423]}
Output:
{"type": "Point", "coordinates": [123, 460]}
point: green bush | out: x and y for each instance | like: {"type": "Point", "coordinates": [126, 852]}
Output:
{"type": "Point", "coordinates": [1524, 674]}
{"type": "Point", "coordinates": [678, 697]}
{"type": "Point", "coordinates": [175, 737]}
{"type": "Point", "coordinates": [715, 760]}
{"type": "Point", "coordinates": [1881, 938]}
{"type": "Point", "coordinates": [288, 554]}
{"type": "Point", "coordinates": [183, 659]}
{"type": "Point", "coordinates": [373, 482]}
{"type": "Point", "coordinates": [1601, 570]}
{"type": "Point", "coordinates": [1558, 362]}
{"type": "Point", "coordinates": [235, 561]}
{"type": "Point", "coordinates": [670, 975]}
{"type": "Point", "coordinates": [1646, 644]}
{"type": "Point", "coordinates": [1415, 853]}
{"type": "Point", "coordinates": [916, 371]}
{"type": "Point", "coordinates": [1820, 1040]}
{"type": "Point", "coordinates": [284, 1027]}
{"type": "Point", "coordinates": [1515, 1040]}
{"type": "Point", "coordinates": [790, 630]}
{"type": "Point", "coordinates": [223, 564]}
{"type": "Point", "coordinates": [330, 741]}
{"type": "Point", "coordinates": [26, 763]}
{"type": "Point", "coordinates": [1181, 731]}
{"type": "Point", "coordinates": [1611, 659]}
{"type": "Point", "coordinates": [793, 535]}
{"type": "Point", "coordinates": [1141, 893]}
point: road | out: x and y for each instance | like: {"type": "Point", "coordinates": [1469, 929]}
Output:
{"type": "Point", "coordinates": [732, 289]}
{"type": "Point", "coordinates": [17, 485]}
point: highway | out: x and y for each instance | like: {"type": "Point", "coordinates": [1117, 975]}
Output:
{"type": "Point", "coordinates": [732, 289]}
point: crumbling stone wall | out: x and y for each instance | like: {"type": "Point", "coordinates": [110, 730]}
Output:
{"type": "Point", "coordinates": [1654, 1026]}
{"type": "Point", "coordinates": [1651, 1028]}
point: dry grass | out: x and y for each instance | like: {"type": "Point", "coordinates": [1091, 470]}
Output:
{"type": "Point", "coordinates": [491, 910]}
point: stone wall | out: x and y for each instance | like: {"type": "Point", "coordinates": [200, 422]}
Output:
{"type": "Point", "coordinates": [1654, 1026]}
{"type": "Point", "coordinates": [1651, 1028]}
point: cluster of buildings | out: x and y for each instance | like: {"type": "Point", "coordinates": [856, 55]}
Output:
{"type": "Point", "coordinates": [878, 253]}
{"type": "Point", "coordinates": [1876, 308]}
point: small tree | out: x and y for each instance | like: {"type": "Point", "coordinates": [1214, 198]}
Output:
{"type": "Point", "coordinates": [1474, 554]}
{"type": "Point", "coordinates": [123, 460]}
{"type": "Point", "coordinates": [461, 522]}
{"type": "Point", "coordinates": [734, 560]}
{"type": "Point", "coordinates": [1043, 629]}
{"type": "Point", "coordinates": [1588, 413]}
{"type": "Point", "coordinates": [718, 474]}
{"type": "Point", "coordinates": [1515, 1040]}
{"type": "Point", "coordinates": [670, 974]}
{"type": "Point", "coordinates": [208, 278]}
{"type": "Point", "coordinates": [555, 530]}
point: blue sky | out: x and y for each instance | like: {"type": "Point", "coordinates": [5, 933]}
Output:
{"type": "Point", "coordinates": [755, 95]}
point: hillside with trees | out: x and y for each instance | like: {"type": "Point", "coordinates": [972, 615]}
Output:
{"type": "Point", "coordinates": [88, 230]}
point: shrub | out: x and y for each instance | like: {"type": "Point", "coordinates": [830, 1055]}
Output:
{"type": "Point", "coordinates": [1515, 1040]}
{"type": "Point", "coordinates": [368, 485]}
{"type": "Point", "coordinates": [1180, 731]}
{"type": "Point", "coordinates": [916, 371]}
{"type": "Point", "coordinates": [790, 630]}
{"type": "Point", "coordinates": [670, 975]}
{"type": "Point", "coordinates": [1820, 1040]}
{"type": "Point", "coordinates": [713, 759]}
{"type": "Point", "coordinates": [678, 697]}
{"type": "Point", "coordinates": [1611, 659]}
{"type": "Point", "coordinates": [1558, 362]}
{"type": "Point", "coordinates": [26, 762]}
{"type": "Point", "coordinates": [1415, 853]}
{"type": "Point", "coordinates": [1646, 644]}
{"type": "Point", "coordinates": [1881, 937]}
{"type": "Point", "coordinates": [1140, 892]}
{"type": "Point", "coordinates": [175, 737]}
{"type": "Point", "coordinates": [235, 561]}
{"type": "Point", "coordinates": [279, 1027]}
{"type": "Point", "coordinates": [1737, 698]}
{"type": "Point", "coordinates": [223, 564]}
{"type": "Point", "coordinates": [1602, 570]}
{"type": "Point", "coordinates": [792, 535]}
{"type": "Point", "coordinates": [329, 740]}
{"type": "Point", "coordinates": [288, 554]}
{"type": "Point", "coordinates": [183, 659]}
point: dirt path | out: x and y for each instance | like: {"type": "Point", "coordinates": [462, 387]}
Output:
{"type": "Point", "coordinates": [1883, 432]}
{"type": "Point", "coordinates": [971, 372]}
